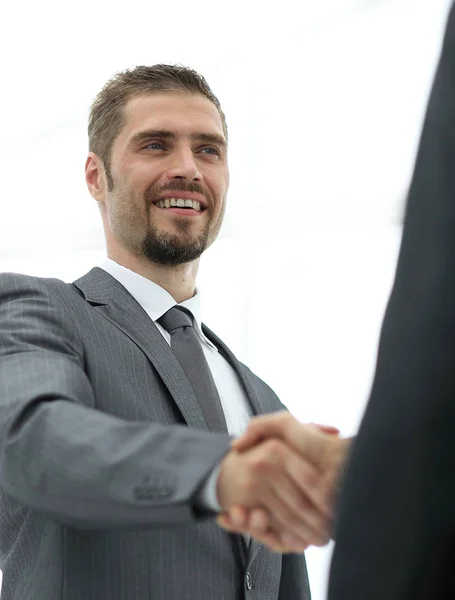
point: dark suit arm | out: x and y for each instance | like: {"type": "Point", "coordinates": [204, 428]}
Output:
{"type": "Point", "coordinates": [395, 531]}
{"type": "Point", "coordinates": [65, 459]}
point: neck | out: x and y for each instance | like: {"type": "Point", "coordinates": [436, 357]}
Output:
{"type": "Point", "coordinates": [179, 281]}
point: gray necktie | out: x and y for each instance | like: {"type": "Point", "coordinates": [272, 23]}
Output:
{"type": "Point", "coordinates": [188, 350]}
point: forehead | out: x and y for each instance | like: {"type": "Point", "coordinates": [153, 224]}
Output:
{"type": "Point", "coordinates": [181, 113]}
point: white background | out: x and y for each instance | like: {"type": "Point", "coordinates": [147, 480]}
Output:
{"type": "Point", "coordinates": [324, 101]}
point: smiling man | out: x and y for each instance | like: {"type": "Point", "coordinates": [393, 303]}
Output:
{"type": "Point", "coordinates": [168, 161]}
{"type": "Point", "coordinates": [118, 406]}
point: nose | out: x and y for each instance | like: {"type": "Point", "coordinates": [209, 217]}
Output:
{"type": "Point", "coordinates": [183, 166]}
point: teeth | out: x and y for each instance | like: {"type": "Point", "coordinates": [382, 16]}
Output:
{"type": "Point", "coordinates": [179, 203]}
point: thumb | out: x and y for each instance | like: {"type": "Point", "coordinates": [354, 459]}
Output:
{"type": "Point", "coordinates": [261, 428]}
{"type": "Point", "coordinates": [307, 440]}
{"type": "Point", "coordinates": [251, 437]}
{"type": "Point", "coordinates": [329, 429]}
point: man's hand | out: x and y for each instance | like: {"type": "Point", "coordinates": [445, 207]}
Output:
{"type": "Point", "coordinates": [273, 477]}
{"type": "Point", "coordinates": [320, 445]}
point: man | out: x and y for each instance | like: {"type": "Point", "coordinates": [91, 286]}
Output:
{"type": "Point", "coordinates": [395, 535]}
{"type": "Point", "coordinates": [118, 407]}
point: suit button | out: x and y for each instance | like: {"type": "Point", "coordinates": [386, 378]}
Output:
{"type": "Point", "coordinates": [249, 581]}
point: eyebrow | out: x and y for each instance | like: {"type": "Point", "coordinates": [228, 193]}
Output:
{"type": "Point", "coordinates": [197, 136]}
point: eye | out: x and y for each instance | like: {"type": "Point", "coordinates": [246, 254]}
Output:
{"type": "Point", "coordinates": [154, 146]}
{"type": "Point", "coordinates": [211, 150]}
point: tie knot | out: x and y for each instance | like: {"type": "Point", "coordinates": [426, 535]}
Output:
{"type": "Point", "coordinates": [175, 318]}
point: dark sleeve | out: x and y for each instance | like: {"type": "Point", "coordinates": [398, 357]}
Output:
{"type": "Point", "coordinates": [395, 533]}
{"type": "Point", "coordinates": [62, 457]}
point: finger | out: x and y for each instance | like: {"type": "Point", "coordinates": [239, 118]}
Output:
{"type": "Point", "coordinates": [238, 516]}
{"type": "Point", "coordinates": [290, 542]}
{"type": "Point", "coordinates": [284, 478]}
{"type": "Point", "coordinates": [329, 429]}
{"type": "Point", "coordinates": [307, 440]}
{"type": "Point", "coordinates": [255, 521]}
{"type": "Point", "coordinates": [304, 483]}
{"type": "Point", "coordinates": [291, 515]}
{"type": "Point", "coordinates": [268, 536]}
{"type": "Point", "coordinates": [224, 521]}
{"type": "Point", "coordinates": [249, 439]}
{"type": "Point", "coordinates": [258, 522]}
{"type": "Point", "coordinates": [290, 546]}
{"type": "Point", "coordinates": [259, 528]}
{"type": "Point", "coordinates": [283, 501]}
{"type": "Point", "coordinates": [314, 489]}
{"type": "Point", "coordinates": [262, 427]}
{"type": "Point", "coordinates": [236, 519]}
{"type": "Point", "coordinates": [273, 541]}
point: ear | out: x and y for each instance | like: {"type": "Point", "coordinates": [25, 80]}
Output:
{"type": "Point", "coordinates": [95, 176]}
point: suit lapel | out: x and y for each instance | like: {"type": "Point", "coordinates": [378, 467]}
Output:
{"type": "Point", "coordinates": [111, 299]}
{"type": "Point", "coordinates": [116, 304]}
{"type": "Point", "coordinates": [258, 404]}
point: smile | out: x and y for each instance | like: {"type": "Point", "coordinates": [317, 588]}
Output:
{"type": "Point", "coordinates": [184, 203]}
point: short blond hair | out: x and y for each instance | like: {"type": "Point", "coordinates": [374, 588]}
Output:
{"type": "Point", "coordinates": [107, 111]}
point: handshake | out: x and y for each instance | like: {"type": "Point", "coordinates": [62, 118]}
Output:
{"type": "Point", "coordinates": [279, 482]}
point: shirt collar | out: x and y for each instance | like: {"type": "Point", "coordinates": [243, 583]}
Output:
{"type": "Point", "coordinates": [154, 299]}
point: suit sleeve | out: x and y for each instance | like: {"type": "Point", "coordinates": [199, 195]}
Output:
{"type": "Point", "coordinates": [395, 533]}
{"type": "Point", "coordinates": [65, 459]}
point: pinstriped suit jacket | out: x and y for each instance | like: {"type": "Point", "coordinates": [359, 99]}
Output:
{"type": "Point", "coordinates": [103, 447]}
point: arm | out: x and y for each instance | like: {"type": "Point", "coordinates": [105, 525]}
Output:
{"type": "Point", "coordinates": [62, 457]}
{"type": "Point", "coordinates": [395, 532]}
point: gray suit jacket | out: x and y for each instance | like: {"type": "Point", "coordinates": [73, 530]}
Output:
{"type": "Point", "coordinates": [103, 448]}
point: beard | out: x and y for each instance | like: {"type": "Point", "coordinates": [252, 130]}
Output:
{"type": "Point", "coordinates": [141, 235]}
{"type": "Point", "coordinates": [170, 249]}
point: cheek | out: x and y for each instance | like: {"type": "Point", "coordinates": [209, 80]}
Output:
{"type": "Point", "coordinates": [136, 177]}
{"type": "Point", "coordinates": [220, 190]}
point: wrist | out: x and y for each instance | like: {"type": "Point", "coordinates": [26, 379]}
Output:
{"type": "Point", "coordinates": [223, 483]}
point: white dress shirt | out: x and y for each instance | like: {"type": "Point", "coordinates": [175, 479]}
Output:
{"type": "Point", "coordinates": [156, 301]}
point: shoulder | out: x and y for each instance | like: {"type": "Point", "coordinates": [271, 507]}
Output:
{"type": "Point", "coordinates": [26, 299]}
{"type": "Point", "coordinates": [20, 281]}
{"type": "Point", "coordinates": [35, 316]}
{"type": "Point", "coordinates": [15, 286]}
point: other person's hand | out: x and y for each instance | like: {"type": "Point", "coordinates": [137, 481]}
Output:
{"type": "Point", "coordinates": [273, 477]}
{"type": "Point", "coordinates": [327, 454]}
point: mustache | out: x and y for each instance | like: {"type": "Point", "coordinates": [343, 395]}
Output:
{"type": "Point", "coordinates": [177, 186]}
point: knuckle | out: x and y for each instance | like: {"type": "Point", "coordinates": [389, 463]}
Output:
{"type": "Point", "coordinates": [253, 425]}
{"type": "Point", "coordinates": [286, 518]}
{"type": "Point", "coordinates": [261, 464]}
{"type": "Point", "coordinates": [263, 460]}
{"type": "Point", "coordinates": [302, 505]}
{"type": "Point", "coordinates": [249, 487]}
{"type": "Point", "coordinates": [306, 471]}
{"type": "Point", "coordinates": [274, 448]}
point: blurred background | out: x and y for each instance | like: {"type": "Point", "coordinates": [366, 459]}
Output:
{"type": "Point", "coordinates": [324, 101]}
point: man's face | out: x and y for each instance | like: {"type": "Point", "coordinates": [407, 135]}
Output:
{"type": "Point", "coordinates": [172, 150]}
